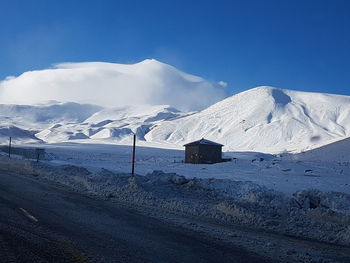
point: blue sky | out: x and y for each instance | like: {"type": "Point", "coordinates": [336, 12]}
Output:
{"type": "Point", "coordinates": [302, 45]}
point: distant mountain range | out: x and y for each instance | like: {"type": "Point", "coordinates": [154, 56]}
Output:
{"type": "Point", "coordinates": [263, 119]}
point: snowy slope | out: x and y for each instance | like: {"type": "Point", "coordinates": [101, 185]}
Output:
{"type": "Point", "coordinates": [37, 116]}
{"type": "Point", "coordinates": [111, 124]}
{"type": "Point", "coordinates": [264, 119]}
{"type": "Point", "coordinates": [22, 122]}
{"type": "Point", "coordinates": [57, 122]}
{"type": "Point", "coordinates": [18, 135]}
{"type": "Point", "coordinates": [148, 82]}
{"type": "Point", "coordinates": [338, 151]}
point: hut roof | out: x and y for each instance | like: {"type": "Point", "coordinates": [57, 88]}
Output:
{"type": "Point", "coordinates": [203, 141]}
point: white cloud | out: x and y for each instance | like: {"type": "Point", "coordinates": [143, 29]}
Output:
{"type": "Point", "coordinates": [107, 84]}
{"type": "Point", "coordinates": [223, 84]}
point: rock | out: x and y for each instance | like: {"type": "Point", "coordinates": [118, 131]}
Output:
{"type": "Point", "coordinates": [160, 176]}
{"type": "Point", "coordinates": [270, 244]}
{"type": "Point", "coordinates": [179, 179]}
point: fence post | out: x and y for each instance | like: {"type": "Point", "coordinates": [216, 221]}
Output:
{"type": "Point", "coordinates": [10, 147]}
{"type": "Point", "coordinates": [133, 156]}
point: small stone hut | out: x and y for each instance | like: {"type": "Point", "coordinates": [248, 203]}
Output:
{"type": "Point", "coordinates": [203, 151]}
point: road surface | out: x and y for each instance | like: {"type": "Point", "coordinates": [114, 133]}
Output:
{"type": "Point", "coordinates": [41, 222]}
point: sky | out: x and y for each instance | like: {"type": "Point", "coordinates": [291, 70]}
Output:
{"type": "Point", "coordinates": [300, 45]}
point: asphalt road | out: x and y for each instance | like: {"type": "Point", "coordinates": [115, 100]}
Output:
{"type": "Point", "coordinates": [44, 223]}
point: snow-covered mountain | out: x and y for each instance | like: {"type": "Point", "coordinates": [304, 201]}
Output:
{"type": "Point", "coordinates": [264, 119]}
{"type": "Point", "coordinates": [22, 122]}
{"type": "Point", "coordinates": [111, 124]}
{"type": "Point", "coordinates": [38, 116]}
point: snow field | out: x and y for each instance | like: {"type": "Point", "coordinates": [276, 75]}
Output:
{"type": "Point", "coordinates": [283, 173]}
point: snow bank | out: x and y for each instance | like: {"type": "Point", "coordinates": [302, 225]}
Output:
{"type": "Point", "coordinates": [309, 213]}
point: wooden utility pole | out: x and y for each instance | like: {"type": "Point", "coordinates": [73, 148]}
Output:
{"type": "Point", "coordinates": [10, 147]}
{"type": "Point", "coordinates": [133, 156]}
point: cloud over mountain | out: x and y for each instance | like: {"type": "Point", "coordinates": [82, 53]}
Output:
{"type": "Point", "coordinates": [149, 82]}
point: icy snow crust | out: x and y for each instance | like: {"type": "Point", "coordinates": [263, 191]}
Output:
{"type": "Point", "coordinates": [308, 213]}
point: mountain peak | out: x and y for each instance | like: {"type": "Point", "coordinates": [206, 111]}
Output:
{"type": "Point", "coordinates": [262, 89]}
{"type": "Point", "coordinates": [280, 96]}
{"type": "Point", "coordinates": [152, 60]}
